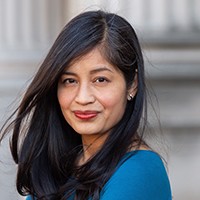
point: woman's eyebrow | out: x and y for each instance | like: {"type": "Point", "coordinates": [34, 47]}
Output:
{"type": "Point", "coordinates": [93, 71]}
{"type": "Point", "coordinates": [69, 73]}
{"type": "Point", "coordinates": [100, 69]}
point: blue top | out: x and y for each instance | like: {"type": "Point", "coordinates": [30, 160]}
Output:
{"type": "Point", "coordinates": [140, 175]}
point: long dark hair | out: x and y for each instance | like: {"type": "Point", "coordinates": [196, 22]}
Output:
{"type": "Point", "coordinates": [43, 144]}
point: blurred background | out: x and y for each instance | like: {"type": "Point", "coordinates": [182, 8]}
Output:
{"type": "Point", "coordinates": [169, 32]}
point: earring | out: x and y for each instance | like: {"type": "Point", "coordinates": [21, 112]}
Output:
{"type": "Point", "coordinates": [130, 97]}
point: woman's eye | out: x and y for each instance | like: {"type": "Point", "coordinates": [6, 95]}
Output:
{"type": "Point", "coordinates": [69, 81]}
{"type": "Point", "coordinates": [101, 80]}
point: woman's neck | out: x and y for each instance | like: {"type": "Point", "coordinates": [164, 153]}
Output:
{"type": "Point", "coordinates": [91, 144]}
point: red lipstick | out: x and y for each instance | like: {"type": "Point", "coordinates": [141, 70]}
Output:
{"type": "Point", "coordinates": [85, 115]}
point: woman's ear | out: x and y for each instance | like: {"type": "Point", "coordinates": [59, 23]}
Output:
{"type": "Point", "coordinates": [133, 89]}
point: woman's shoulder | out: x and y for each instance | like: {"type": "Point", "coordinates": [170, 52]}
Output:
{"type": "Point", "coordinates": [141, 159]}
{"type": "Point", "coordinates": [137, 162]}
{"type": "Point", "coordinates": [140, 175]}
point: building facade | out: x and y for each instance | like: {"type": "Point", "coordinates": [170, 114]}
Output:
{"type": "Point", "coordinates": [169, 31]}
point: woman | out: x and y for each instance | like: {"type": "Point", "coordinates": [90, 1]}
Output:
{"type": "Point", "coordinates": [77, 134]}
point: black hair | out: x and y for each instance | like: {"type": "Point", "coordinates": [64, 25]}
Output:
{"type": "Point", "coordinates": [43, 144]}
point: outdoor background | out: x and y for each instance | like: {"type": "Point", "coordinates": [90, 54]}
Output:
{"type": "Point", "coordinates": [169, 31]}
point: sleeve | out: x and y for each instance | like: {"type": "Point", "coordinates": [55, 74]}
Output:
{"type": "Point", "coordinates": [139, 178]}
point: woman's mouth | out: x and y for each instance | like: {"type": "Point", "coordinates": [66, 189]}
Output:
{"type": "Point", "coordinates": [85, 115]}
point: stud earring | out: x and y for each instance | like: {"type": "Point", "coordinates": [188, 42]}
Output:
{"type": "Point", "coordinates": [130, 97]}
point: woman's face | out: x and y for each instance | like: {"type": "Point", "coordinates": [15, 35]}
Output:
{"type": "Point", "coordinates": [92, 95]}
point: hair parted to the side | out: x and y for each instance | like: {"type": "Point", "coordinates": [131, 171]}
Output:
{"type": "Point", "coordinates": [43, 144]}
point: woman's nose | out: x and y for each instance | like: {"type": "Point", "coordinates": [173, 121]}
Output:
{"type": "Point", "coordinates": [84, 95]}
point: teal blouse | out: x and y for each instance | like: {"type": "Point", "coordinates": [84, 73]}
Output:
{"type": "Point", "coordinates": [140, 175]}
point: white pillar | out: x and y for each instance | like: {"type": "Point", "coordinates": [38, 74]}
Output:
{"type": "Point", "coordinates": [28, 25]}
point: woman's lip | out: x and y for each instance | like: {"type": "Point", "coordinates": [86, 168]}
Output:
{"type": "Point", "coordinates": [86, 114]}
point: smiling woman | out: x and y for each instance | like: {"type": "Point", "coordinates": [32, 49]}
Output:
{"type": "Point", "coordinates": [77, 130]}
{"type": "Point", "coordinates": [80, 97]}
